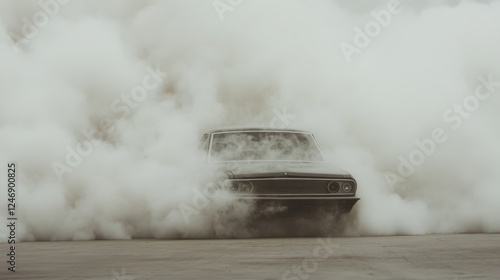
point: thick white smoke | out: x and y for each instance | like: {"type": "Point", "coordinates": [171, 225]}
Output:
{"type": "Point", "coordinates": [389, 88]}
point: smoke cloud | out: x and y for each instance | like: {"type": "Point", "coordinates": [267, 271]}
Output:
{"type": "Point", "coordinates": [103, 103]}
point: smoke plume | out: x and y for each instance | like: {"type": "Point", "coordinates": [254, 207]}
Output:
{"type": "Point", "coordinates": [103, 103]}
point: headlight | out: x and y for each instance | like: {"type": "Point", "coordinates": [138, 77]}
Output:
{"type": "Point", "coordinates": [333, 187]}
{"type": "Point", "coordinates": [241, 186]}
{"type": "Point", "coordinates": [246, 187]}
{"type": "Point", "coordinates": [347, 187]}
{"type": "Point", "coordinates": [233, 186]}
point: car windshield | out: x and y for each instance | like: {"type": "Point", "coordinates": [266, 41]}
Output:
{"type": "Point", "coordinates": [264, 146]}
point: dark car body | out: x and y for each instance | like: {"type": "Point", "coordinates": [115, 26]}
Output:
{"type": "Point", "coordinates": [279, 170]}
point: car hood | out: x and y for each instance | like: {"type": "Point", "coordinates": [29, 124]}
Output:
{"type": "Point", "coordinates": [278, 169]}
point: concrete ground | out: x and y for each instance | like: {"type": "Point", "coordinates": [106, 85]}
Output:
{"type": "Point", "coordinates": [457, 256]}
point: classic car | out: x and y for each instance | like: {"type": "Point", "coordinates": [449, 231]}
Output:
{"type": "Point", "coordinates": [279, 170]}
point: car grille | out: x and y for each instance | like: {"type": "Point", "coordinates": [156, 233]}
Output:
{"type": "Point", "coordinates": [291, 186]}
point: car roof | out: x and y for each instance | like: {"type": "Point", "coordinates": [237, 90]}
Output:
{"type": "Point", "coordinates": [248, 129]}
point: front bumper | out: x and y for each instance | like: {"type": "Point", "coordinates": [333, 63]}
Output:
{"type": "Point", "coordinates": [269, 205]}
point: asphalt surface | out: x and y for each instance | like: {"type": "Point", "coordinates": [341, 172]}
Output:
{"type": "Point", "coordinates": [461, 256]}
